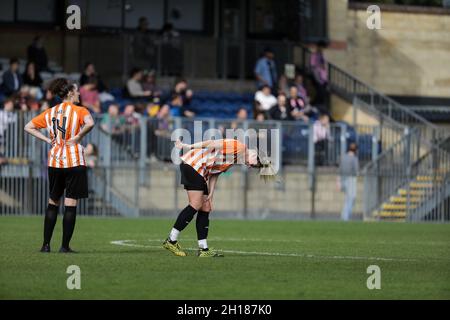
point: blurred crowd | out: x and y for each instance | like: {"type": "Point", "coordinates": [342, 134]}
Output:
{"type": "Point", "coordinates": [276, 98]}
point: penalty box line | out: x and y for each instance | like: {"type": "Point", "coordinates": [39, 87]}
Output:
{"type": "Point", "coordinates": [132, 243]}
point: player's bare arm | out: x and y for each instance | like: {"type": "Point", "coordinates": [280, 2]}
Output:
{"type": "Point", "coordinates": [31, 129]}
{"type": "Point", "coordinates": [88, 125]}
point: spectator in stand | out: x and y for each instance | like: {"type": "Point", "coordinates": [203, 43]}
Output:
{"type": "Point", "coordinates": [134, 85]}
{"type": "Point", "coordinates": [321, 135]}
{"type": "Point", "coordinates": [264, 100]}
{"type": "Point", "coordinates": [149, 84]}
{"type": "Point", "coordinates": [154, 107]}
{"type": "Point", "coordinates": [319, 68]}
{"type": "Point", "coordinates": [7, 118]}
{"type": "Point", "coordinates": [266, 71]}
{"type": "Point", "coordinates": [171, 50]}
{"type": "Point", "coordinates": [36, 53]}
{"type": "Point", "coordinates": [301, 90]}
{"type": "Point", "coordinates": [347, 182]}
{"type": "Point", "coordinates": [31, 77]}
{"type": "Point", "coordinates": [90, 96]}
{"type": "Point", "coordinates": [283, 85]}
{"type": "Point", "coordinates": [241, 116]}
{"type": "Point", "coordinates": [143, 46]}
{"type": "Point", "coordinates": [112, 122]}
{"type": "Point", "coordinates": [181, 88]}
{"type": "Point", "coordinates": [91, 155]}
{"type": "Point", "coordinates": [89, 73]}
{"type": "Point", "coordinates": [282, 111]}
{"type": "Point", "coordinates": [49, 100]}
{"type": "Point", "coordinates": [300, 109]}
{"type": "Point", "coordinates": [164, 118]}
{"type": "Point", "coordinates": [12, 80]}
{"type": "Point", "coordinates": [132, 118]}
{"type": "Point", "coordinates": [260, 117]}
{"type": "Point", "coordinates": [31, 89]}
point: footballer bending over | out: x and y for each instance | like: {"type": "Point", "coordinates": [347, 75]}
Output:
{"type": "Point", "coordinates": [201, 165]}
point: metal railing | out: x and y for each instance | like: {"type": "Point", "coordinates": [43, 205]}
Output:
{"type": "Point", "coordinates": [390, 171]}
{"type": "Point", "coordinates": [125, 177]}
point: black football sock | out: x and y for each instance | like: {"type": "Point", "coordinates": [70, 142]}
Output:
{"type": "Point", "coordinates": [186, 215]}
{"type": "Point", "coordinates": [68, 225]}
{"type": "Point", "coordinates": [49, 222]}
{"type": "Point", "coordinates": [202, 224]}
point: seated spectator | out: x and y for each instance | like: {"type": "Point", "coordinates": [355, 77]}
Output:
{"type": "Point", "coordinates": [163, 116]}
{"type": "Point", "coordinates": [281, 111]}
{"type": "Point", "coordinates": [134, 85]}
{"type": "Point", "coordinates": [90, 96]}
{"type": "Point", "coordinates": [181, 88]}
{"type": "Point", "coordinates": [49, 100]}
{"type": "Point", "coordinates": [31, 77]}
{"type": "Point", "coordinates": [266, 70]}
{"type": "Point", "coordinates": [241, 116]}
{"type": "Point", "coordinates": [283, 85]}
{"type": "Point", "coordinates": [301, 90]}
{"type": "Point", "coordinates": [321, 136]}
{"type": "Point", "coordinates": [112, 122]}
{"type": "Point", "coordinates": [36, 53]}
{"type": "Point", "coordinates": [154, 107]}
{"type": "Point", "coordinates": [300, 110]}
{"type": "Point", "coordinates": [12, 80]}
{"type": "Point", "coordinates": [89, 72]}
{"type": "Point", "coordinates": [260, 117]}
{"type": "Point", "coordinates": [149, 84]}
{"type": "Point", "coordinates": [90, 76]}
{"type": "Point", "coordinates": [131, 116]}
{"type": "Point", "coordinates": [91, 155]}
{"type": "Point", "coordinates": [264, 100]}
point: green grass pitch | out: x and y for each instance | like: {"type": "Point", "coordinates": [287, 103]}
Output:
{"type": "Point", "coordinates": [263, 260]}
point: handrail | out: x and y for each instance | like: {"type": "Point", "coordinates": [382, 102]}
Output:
{"type": "Point", "coordinates": [384, 97]}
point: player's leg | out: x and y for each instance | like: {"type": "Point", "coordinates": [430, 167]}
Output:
{"type": "Point", "coordinates": [56, 190]}
{"type": "Point", "coordinates": [76, 188]}
{"type": "Point", "coordinates": [184, 218]}
{"type": "Point", "coordinates": [69, 220]}
{"type": "Point", "coordinates": [202, 225]}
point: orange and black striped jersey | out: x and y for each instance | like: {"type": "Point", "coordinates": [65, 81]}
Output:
{"type": "Point", "coordinates": [208, 161]}
{"type": "Point", "coordinates": [63, 122]}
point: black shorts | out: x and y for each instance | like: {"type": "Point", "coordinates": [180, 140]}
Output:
{"type": "Point", "coordinates": [192, 180]}
{"type": "Point", "coordinates": [73, 180]}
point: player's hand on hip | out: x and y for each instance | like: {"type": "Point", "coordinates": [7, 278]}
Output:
{"type": "Point", "coordinates": [73, 141]}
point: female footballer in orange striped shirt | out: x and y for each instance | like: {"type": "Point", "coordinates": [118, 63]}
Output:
{"type": "Point", "coordinates": [66, 124]}
{"type": "Point", "coordinates": [200, 169]}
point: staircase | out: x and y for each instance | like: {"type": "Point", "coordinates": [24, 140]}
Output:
{"type": "Point", "coordinates": [410, 179]}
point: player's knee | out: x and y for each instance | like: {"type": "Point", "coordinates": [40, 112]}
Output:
{"type": "Point", "coordinates": [70, 202]}
{"type": "Point", "coordinates": [206, 207]}
{"type": "Point", "coordinates": [53, 202]}
{"type": "Point", "coordinates": [196, 204]}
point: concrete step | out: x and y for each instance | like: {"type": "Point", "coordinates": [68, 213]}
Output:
{"type": "Point", "coordinates": [391, 214]}
{"type": "Point", "coordinates": [421, 185]}
{"type": "Point", "coordinates": [392, 206]}
{"type": "Point", "coordinates": [429, 178]}
{"type": "Point", "coordinates": [404, 192]}
{"type": "Point", "coordinates": [404, 199]}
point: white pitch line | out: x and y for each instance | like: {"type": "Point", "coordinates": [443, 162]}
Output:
{"type": "Point", "coordinates": [130, 243]}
